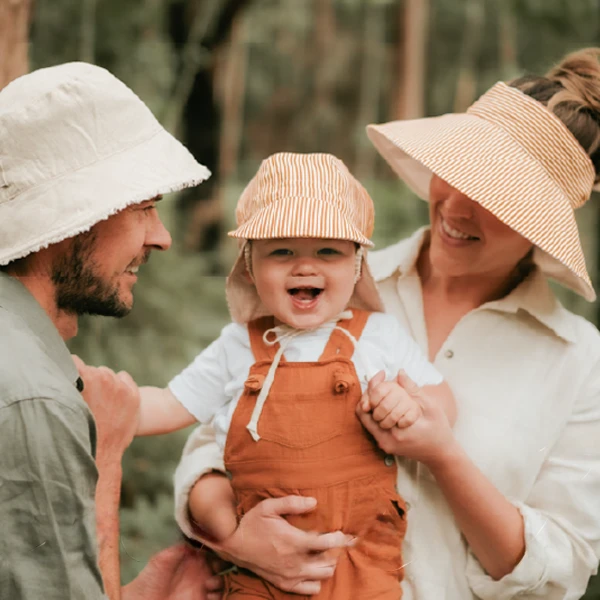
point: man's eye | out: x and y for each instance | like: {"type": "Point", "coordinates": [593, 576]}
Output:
{"type": "Point", "coordinates": [328, 251]}
{"type": "Point", "coordinates": [281, 252]}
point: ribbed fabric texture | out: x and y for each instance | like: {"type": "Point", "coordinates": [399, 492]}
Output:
{"type": "Point", "coordinates": [512, 156]}
{"type": "Point", "coordinates": [304, 195]}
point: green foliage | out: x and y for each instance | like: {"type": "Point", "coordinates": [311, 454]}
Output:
{"type": "Point", "coordinates": [302, 92]}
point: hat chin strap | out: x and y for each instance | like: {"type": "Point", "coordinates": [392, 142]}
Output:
{"type": "Point", "coordinates": [248, 259]}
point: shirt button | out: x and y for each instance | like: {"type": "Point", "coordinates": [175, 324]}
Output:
{"type": "Point", "coordinates": [448, 354]}
{"type": "Point", "coordinates": [388, 461]}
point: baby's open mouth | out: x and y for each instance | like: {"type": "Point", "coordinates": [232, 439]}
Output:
{"type": "Point", "coordinates": [305, 293]}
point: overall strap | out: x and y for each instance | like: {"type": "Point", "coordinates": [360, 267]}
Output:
{"type": "Point", "coordinates": [340, 344]}
{"type": "Point", "coordinates": [256, 331]}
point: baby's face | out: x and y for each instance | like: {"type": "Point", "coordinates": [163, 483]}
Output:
{"type": "Point", "coordinates": [304, 282]}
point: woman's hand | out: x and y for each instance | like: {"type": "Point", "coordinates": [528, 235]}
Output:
{"type": "Point", "coordinates": [429, 439]}
{"type": "Point", "coordinates": [291, 559]}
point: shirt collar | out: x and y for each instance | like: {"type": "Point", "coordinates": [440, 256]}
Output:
{"type": "Point", "coordinates": [533, 295]}
{"type": "Point", "coordinates": [16, 299]}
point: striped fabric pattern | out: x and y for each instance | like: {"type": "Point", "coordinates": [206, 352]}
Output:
{"type": "Point", "coordinates": [304, 195]}
{"type": "Point", "coordinates": [543, 135]}
{"type": "Point", "coordinates": [512, 156]}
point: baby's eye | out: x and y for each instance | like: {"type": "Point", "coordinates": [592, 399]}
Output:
{"type": "Point", "coordinates": [281, 252]}
{"type": "Point", "coordinates": [328, 251]}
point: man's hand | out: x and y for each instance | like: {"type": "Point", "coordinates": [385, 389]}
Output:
{"type": "Point", "coordinates": [177, 573]}
{"type": "Point", "coordinates": [114, 400]}
{"type": "Point", "coordinates": [390, 404]}
{"type": "Point", "coordinates": [293, 560]}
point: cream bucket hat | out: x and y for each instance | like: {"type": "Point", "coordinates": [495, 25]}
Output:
{"type": "Point", "coordinates": [76, 146]}
{"type": "Point", "coordinates": [301, 196]}
{"type": "Point", "coordinates": [512, 156]}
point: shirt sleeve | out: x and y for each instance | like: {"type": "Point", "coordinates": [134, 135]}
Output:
{"type": "Point", "coordinates": [48, 476]}
{"type": "Point", "coordinates": [202, 386]}
{"type": "Point", "coordinates": [201, 455]}
{"type": "Point", "coordinates": [561, 516]}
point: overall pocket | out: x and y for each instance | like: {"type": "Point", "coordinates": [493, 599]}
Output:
{"type": "Point", "coordinates": [300, 420]}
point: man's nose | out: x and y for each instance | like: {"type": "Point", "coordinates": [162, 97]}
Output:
{"type": "Point", "coordinates": [158, 235]}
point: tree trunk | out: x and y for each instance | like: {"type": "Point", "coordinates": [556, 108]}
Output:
{"type": "Point", "coordinates": [410, 102]}
{"type": "Point", "coordinates": [14, 39]}
{"type": "Point", "coordinates": [466, 88]}
{"type": "Point", "coordinates": [370, 86]}
{"type": "Point", "coordinates": [197, 29]}
{"type": "Point", "coordinates": [232, 101]}
{"type": "Point", "coordinates": [507, 34]}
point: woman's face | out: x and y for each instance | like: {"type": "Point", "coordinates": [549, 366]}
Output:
{"type": "Point", "coordinates": [466, 239]}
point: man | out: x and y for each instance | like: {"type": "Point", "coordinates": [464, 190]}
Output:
{"type": "Point", "coordinates": [82, 164]}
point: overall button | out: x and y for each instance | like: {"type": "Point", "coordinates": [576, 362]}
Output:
{"type": "Point", "coordinates": [448, 354]}
{"type": "Point", "coordinates": [229, 475]}
{"type": "Point", "coordinates": [388, 461]}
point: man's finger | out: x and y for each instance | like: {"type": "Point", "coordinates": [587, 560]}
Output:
{"type": "Point", "coordinates": [126, 378]}
{"type": "Point", "coordinates": [307, 588]}
{"type": "Point", "coordinates": [213, 584]}
{"type": "Point", "coordinates": [328, 541]}
{"type": "Point", "coordinates": [170, 558]}
{"type": "Point", "coordinates": [288, 505]}
{"type": "Point", "coordinates": [78, 362]}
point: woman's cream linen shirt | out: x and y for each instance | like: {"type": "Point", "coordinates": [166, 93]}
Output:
{"type": "Point", "coordinates": [526, 376]}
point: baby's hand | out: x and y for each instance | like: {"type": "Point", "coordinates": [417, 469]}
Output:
{"type": "Point", "coordinates": [390, 404]}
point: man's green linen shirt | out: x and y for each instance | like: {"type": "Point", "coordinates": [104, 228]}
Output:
{"type": "Point", "coordinates": [48, 547]}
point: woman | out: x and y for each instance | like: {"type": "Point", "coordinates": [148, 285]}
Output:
{"type": "Point", "coordinates": [508, 503]}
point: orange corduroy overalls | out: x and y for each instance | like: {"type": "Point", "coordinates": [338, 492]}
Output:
{"type": "Point", "coordinates": [312, 444]}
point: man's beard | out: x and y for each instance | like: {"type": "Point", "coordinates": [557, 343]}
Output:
{"type": "Point", "coordinates": [79, 290]}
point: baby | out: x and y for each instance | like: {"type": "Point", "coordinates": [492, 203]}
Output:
{"type": "Point", "coordinates": [282, 382]}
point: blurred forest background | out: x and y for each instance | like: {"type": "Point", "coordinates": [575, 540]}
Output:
{"type": "Point", "coordinates": [237, 80]}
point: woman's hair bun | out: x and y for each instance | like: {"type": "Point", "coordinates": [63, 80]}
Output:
{"type": "Point", "coordinates": [579, 76]}
{"type": "Point", "coordinates": [571, 90]}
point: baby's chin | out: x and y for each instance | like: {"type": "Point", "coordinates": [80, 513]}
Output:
{"type": "Point", "coordinates": [307, 321]}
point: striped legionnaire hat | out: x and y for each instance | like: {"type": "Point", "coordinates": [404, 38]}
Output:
{"type": "Point", "coordinates": [304, 195]}
{"type": "Point", "coordinates": [301, 196]}
{"type": "Point", "coordinates": [512, 156]}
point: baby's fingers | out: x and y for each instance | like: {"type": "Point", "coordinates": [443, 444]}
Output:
{"type": "Point", "coordinates": [410, 417]}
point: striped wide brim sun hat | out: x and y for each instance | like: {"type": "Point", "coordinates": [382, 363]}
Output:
{"type": "Point", "coordinates": [516, 159]}
{"type": "Point", "coordinates": [301, 196]}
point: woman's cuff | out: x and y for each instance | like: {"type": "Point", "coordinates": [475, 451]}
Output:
{"type": "Point", "coordinates": [531, 573]}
